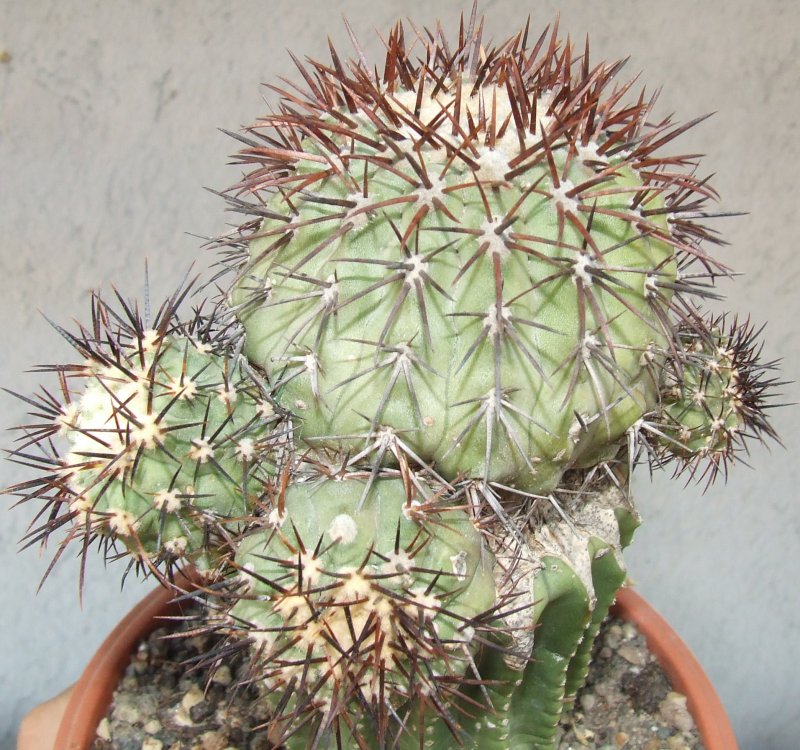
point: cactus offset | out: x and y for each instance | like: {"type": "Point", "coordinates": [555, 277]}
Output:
{"type": "Point", "coordinates": [368, 603]}
{"type": "Point", "coordinates": [464, 305]}
{"type": "Point", "coordinates": [167, 441]}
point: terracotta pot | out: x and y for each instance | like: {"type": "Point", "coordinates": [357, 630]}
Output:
{"type": "Point", "coordinates": [683, 670]}
{"type": "Point", "coordinates": [93, 691]}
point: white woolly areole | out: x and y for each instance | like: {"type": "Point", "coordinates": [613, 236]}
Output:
{"type": "Point", "coordinates": [497, 245]}
{"type": "Point", "coordinates": [67, 418]}
{"type": "Point", "coordinates": [149, 340]}
{"type": "Point", "coordinates": [343, 529]}
{"type": "Point", "coordinates": [183, 388]}
{"type": "Point", "coordinates": [560, 197]}
{"type": "Point", "coordinates": [493, 164]}
{"type": "Point", "coordinates": [436, 190]}
{"type": "Point", "coordinates": [418, 266]}
{"type": "Point", "coordinates": [265, 410]}
{"type": "Point", "coordinates": [167, 500]}
{"type": "Point", "coordinates": [226, 393]}
{"type": "Point", "coordinates": [590, 153]}
{"type": "Point", "coordinates": [583, 264]}
{"type": "Point", "coordinates": [398, 562]}
{"type": "Point", "coordinates": [427, 603]}
{"type": "Point", "coordinates": [589, 344]}
{"type": "Point", "coordinates": [201, 346]}
{"type": "Point", "coordinates": [149, 433]}
{"type": "Point", "coordinates": [410, 510]}
{"type": "Point", "coordinates": [276, 519]}
{"type": "Point", "coordinates": [246, 450]}
{"type": "Point", "coordinates": [489, 101]}
{"type": "Point", "coordinates": [310, 568]}
{"type": "Point", "coordinates": [496, 319]}
{"type": "Point", "coordinates": [122, 522]}
{"type": "Point", "coordinates": [201, 450]}
{"type": "Point", "coordinates": [358, 215]}
{"type": "Point", "coordinates": [176, 546]}
{"type": "Point", "coordinates": [330, 295]}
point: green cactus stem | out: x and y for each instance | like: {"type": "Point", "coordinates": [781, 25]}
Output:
{"type": "Point", "coordinates": [560, 584]}
{"type": "Point", "coordinates": [351, 601]}
{"type": "Point", "coordinates": [714, 398]}
{"type": "Point", "coordinates": [157, 440]}
{"type": "Point", "coordinates": [473, 253]}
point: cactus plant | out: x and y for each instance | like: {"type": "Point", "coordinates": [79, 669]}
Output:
{"type": "Point", "coordinates": [466, 301]}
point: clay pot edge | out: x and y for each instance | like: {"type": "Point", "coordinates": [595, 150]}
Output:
{"type": "Point", "coordinates": [682, 668]}
{"type": "Point", "coordinates": [93, 691]}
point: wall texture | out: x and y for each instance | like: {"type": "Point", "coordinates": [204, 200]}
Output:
{"type": "Point", "coordinates": [108, 117]}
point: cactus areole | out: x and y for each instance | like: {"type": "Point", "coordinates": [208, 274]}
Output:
{"type": "Point", "coordinates": [466, 301]}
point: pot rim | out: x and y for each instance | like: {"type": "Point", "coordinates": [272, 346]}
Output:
{"type": "Point", "coordinates": [94, 689]}
{"type": "Point", "coordinates": [684, 671]}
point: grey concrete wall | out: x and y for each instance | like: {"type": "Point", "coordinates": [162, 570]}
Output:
{"type": "Point", "coordinates": [108, 117]}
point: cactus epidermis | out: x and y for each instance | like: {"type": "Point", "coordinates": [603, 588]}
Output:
{"type": "Point", "coordinates": [480, 263]}
{"type": "Point", "coordinates": [351, 598]}
{"type": "Point", "coordinates": [165, 438]}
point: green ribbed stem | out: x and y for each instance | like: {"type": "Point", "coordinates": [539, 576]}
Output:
{"type": "Point", "coordinates": [608, 574]}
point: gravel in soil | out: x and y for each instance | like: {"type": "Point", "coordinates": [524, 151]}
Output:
{"type": "Point", "coordinates": [627, 701]}
{"type": "Point", "coordinates": [160, 705]}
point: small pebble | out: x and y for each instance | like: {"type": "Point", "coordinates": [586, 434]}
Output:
{"type": "Point", "coordinates": [629, 631]}
{"type": "Point", "coordinates": [213, 741]}
{"type": "Point", "coordinates": [151, 743]}
{"type": "Point", "coordinates": [582, 734]}
{"type": "Point", "coordinates": [587, 701]}
{"type": "Point", "coordinates": [222, 675]}
{"type": "Point", "coordinates": [674, 711]}
{"type": "Point", "coordinates": [126, 709]}
{"type": "Point", "coordinates": [152, 727]}
{"type": "Point", "coordinates": [104, 729]}
{"type": "Point", "coordinates": [193, 696]}
{"type": "Point", "coordinates": [621, 739]}
{"type": "Point", "coordinates": [614, 637]}
{"type": "Point", "coordinates": [633, 654]}
{"type": "Point", "coordinates": [604, 689]}
{"type": "Point", "coordinates": [199, 712]}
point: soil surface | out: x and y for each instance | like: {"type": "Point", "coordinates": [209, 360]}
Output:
{"type": "Point", "coordinates": [160, 705]}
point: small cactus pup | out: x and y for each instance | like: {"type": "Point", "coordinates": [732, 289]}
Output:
{"type": "Point", "coordinates": [156, 440]}
{"type": "Point", "coordinates": [712, 394]}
